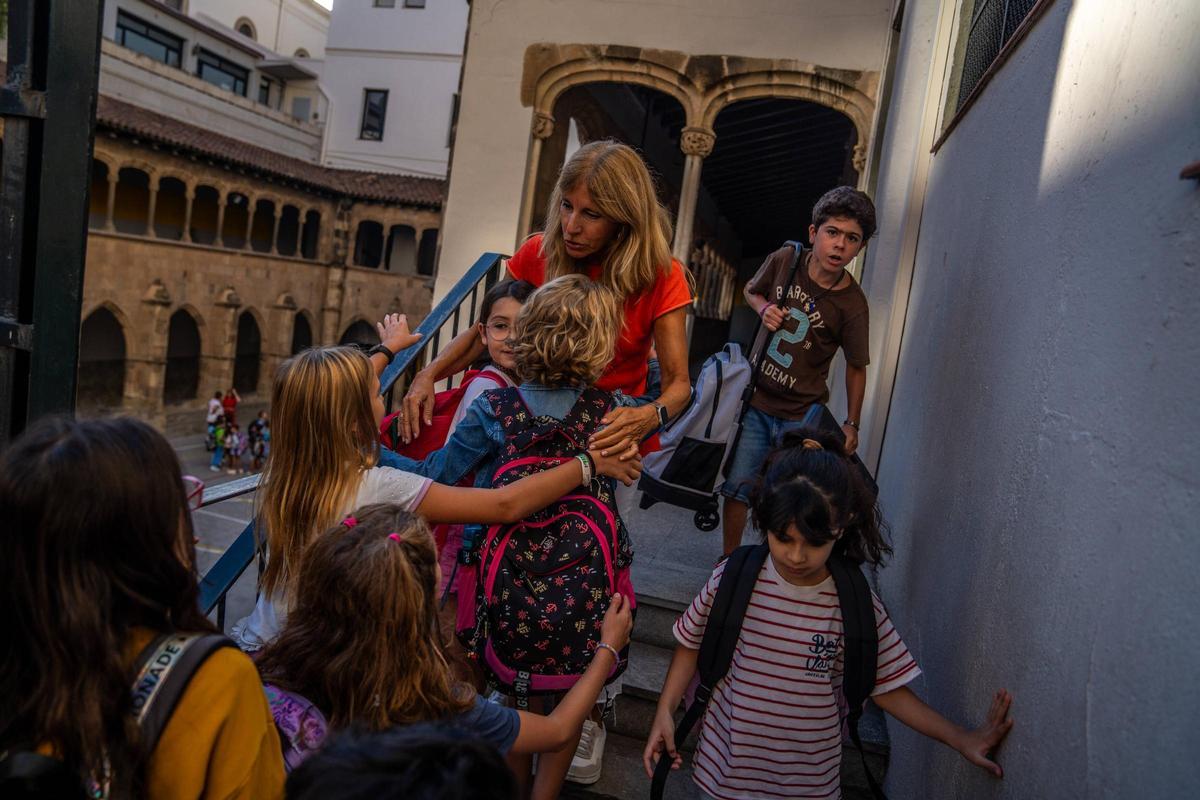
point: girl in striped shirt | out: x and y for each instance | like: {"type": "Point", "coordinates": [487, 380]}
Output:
{"type": "Point", "coordinates": [774, 725]}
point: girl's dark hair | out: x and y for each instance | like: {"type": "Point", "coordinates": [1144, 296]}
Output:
{"type": "Point", "coordinates": [97, 542]}
{"type": "Point", "coordinates": [417, 762]}
{"type": "Point", "coordinates": [517, 290]}
{"type": "Point", "coordinates": [819, 490]}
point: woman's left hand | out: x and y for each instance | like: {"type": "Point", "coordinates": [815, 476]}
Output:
{"type": "Point", "coordinates": [624, 431]}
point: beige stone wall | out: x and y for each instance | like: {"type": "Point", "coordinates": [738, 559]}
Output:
{"type": "Point", "coordinates": [143, 279]}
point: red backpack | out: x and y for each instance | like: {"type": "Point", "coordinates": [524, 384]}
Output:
{"type": "Point", "coordinates": [433, 436]}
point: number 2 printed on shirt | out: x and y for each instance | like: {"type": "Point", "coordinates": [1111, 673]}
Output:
{"type": "Point", "coordinates": [784, 360]}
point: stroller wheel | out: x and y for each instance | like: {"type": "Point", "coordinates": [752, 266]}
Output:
{"type": "Point", "coordinates": [707, 520]}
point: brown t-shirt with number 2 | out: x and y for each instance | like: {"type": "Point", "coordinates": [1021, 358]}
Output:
{"type": "Point", "coordinates": [792, 374]}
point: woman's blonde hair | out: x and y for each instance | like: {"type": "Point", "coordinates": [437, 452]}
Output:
{"type": "Point", "coordinates": [622, 190]}
{"type": "Point", "coordinates": [322, 438]}
{"type": "Point", "coordinates": [566, 333]}
{"type": "Point", "coordinates": [362, 640]}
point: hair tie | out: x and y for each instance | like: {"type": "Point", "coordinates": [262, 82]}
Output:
{"type": "Point", "coordinates": [811, 444]}
{"type": "Point", "coordinates": [395, 537]}
{"type": "Point", "coordinates": [349, 522]}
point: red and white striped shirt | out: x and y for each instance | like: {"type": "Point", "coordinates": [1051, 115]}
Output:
{"type": "Point", "coordinates": [774, 725]}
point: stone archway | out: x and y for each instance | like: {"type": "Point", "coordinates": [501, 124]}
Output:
{"type": "Point", "coordinates": [703, 85]}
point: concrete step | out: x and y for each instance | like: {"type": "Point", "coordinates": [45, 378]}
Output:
{"type": "Point", "coordinates": [624, 777]}
{"type": "Point", "coordinates": [655, 619]}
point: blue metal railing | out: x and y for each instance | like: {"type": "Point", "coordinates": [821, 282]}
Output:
{"type": "Point", "coordinates": [457, 310]}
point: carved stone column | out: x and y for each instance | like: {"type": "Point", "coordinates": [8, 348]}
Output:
{"type": "Point", "coordinates": [219, 241]}
{"type": "Point", "coordinates": [541, 129]}
{"type": "Point", "coordinates": [190, 195]}
{"type": "Point", "coordinates": [251, 205]}
{"type": "Point", "coordinates": [113, 177]}
{"type": "Point", "coordinates": [151, 206]}
{"type": "Point", "coordinates": [275, 229]}
{"type": "Point", "coordinates": [696, 144]}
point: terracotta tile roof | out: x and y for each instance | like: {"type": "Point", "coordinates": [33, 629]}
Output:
{"type": "Point", "coordinates": [126, 118]}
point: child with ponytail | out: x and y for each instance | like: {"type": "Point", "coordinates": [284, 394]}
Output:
{"type": "Point", "coordinates": [779, 702]}
{"type": "Point", "coordinates": [361, 647]}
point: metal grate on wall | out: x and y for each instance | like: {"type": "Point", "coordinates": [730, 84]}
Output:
{"type": "Point", "coordinates": [715, 279]}
{"type": "Point", "coordinates": [993, 23]}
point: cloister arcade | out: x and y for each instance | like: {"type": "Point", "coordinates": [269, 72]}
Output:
{"type": "Point", "coordinates": [200, 277]}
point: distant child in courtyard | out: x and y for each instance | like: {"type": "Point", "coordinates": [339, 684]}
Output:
{"type": "Point", "coordinates": [211, 416]}
{"type": "Point", "coordinates": [362, 648]}
{"type": "Point", "coordinates": [229, 404]}
{"type": "Point", "coordinates": [778, 698]}
{"type": "Point", "coordinates": [259, 437]}
{"type": "Point", "coordinates": [822, 309]}
{"type": "Point", "coordinates": [218, 458]}
{"type": "Point", "coordinates": [326, 409]}
{"type": "Point", "coordinates": [235, 446]}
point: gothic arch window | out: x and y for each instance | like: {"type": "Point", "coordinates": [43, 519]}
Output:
{"type": "Point", "coordinates": [101, 362]}
{"type": "Point", "coordinates": [248, 354]}
{"type": "Point", "coordinates": [182, 378]}
{"type": "Point", "coordinates": [302, 336]}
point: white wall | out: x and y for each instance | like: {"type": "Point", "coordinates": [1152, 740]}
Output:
{"type": "Point", "coordinates": [281, 25]}
{"type": "Point", "coordinates": [1039, 461]}
{"type": "Point", "coordinates": [178, 93]}
{"type": "Point", "coordinates": [415, 55]}
{"type": "Point", "coordinates": [493, 128]}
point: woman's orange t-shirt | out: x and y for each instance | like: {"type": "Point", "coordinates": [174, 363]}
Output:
{"type": "Point", "coordinates": [627, 372]}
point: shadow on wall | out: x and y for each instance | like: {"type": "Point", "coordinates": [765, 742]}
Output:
{"type": "Point", "coordinates": [1039, 462]}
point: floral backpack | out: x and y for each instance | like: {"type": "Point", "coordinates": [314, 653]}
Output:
{"type": "Point", "coordinates": [301, 725]}
{"type": "Point", "coordinates": [534, 602]}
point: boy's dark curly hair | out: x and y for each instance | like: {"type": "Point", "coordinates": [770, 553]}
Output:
{"type": "Point", "coordinates": [846, 201]}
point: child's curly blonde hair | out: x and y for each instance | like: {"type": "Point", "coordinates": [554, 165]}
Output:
{"type": "Point", "coordinates": [567, 332]}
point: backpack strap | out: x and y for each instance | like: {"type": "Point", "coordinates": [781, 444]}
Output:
{"type": "Point", "coordinates": [721, 633]}
{"type": "Point", "coordinates": [861, 648]}
{"type": "Point", "coordinates": [166, 667]}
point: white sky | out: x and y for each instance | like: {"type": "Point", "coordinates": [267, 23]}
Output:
{"type": "Point", "coordinates": [326, 3]}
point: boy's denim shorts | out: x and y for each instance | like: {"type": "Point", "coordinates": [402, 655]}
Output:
{"type": "Point", "coordinates": [760, 433]}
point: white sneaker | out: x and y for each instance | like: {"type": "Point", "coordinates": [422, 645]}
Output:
{"type": "Point", "coordinates": [585, 766]}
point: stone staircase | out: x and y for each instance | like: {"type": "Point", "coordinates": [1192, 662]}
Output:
{"type": "Point", "coordinates": [672, 560]}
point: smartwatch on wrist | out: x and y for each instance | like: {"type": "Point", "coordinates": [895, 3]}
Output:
{"type": "Point", "coordinates": [381, 349]}
{"type": "Point", "coordinates": [663, 417]}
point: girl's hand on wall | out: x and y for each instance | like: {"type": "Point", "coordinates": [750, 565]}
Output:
{"type": "Point", "coordinates": [394, 333]}
{"type": "Point", "coordinates": [625, 429]}
{"type": "Point", "coordinates": [976, 746]}
{"type": "Point", "coordinates": [619, 466]}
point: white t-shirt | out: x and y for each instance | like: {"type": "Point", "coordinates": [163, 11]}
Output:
{"type": "Point", "coordinates": [379, 485]}
{"type": "Point", "coordinates": [774, 725]}
{"type": "Point", "coordinates": [214, 410]}
{"type": "Point", "coordinates": [475, 388]}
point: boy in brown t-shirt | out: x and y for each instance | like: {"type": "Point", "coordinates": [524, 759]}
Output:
{"type": "Point", "coordinates": [823, 309]}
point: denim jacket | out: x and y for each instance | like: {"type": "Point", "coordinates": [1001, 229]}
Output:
{"type": "Point", "coordinates": [479, 438]}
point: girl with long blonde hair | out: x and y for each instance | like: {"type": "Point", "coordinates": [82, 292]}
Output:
{"type": "Point", "coordinates": [603, 221]}
{"type": "Point", "coordinates": [325, 412]}
{"type": "Point", "coordinates": [361, 646]}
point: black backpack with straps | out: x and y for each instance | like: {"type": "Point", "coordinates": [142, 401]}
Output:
{"type": "Point", "coordinates": [861, 645]}
{"type": "Point", "coordinates": [165, 667]}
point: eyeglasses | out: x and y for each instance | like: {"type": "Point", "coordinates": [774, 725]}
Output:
{"type": "Point", "coordinates": [499, 330]}
{"type": "Point", "coordinates": [193, 488]}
